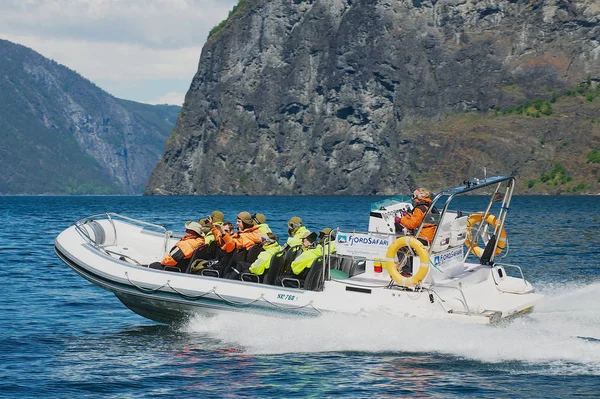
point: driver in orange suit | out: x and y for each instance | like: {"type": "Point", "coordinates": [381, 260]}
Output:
{"type": "Point", "coordinates": [421, 204]}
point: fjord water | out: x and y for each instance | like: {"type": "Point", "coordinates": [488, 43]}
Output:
{"type": "Point", "coordinates": [63, 337]}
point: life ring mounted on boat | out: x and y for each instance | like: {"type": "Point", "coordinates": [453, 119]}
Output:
{"type": "Point", "coordinates": [391, 265]}
{"type": "Point", "coordinates": [490, 220]}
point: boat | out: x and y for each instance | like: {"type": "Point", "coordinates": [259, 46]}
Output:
{"type": "Point", "coordinates": [459, 275]}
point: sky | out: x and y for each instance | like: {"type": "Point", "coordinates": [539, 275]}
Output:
{"type": "Point", "coordinates": [140, 50]}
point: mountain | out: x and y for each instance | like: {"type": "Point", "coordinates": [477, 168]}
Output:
{"type": "Point", "coordinates": [376, 97]}
{"type": "Point", "coordinates": [61, 134]}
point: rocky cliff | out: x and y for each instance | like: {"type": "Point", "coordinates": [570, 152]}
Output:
{"type": "Point", "coordinates": [370, 96]}
{"type": "Point", "coordinates": [61, 134]}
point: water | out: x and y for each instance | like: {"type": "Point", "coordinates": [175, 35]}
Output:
{"type": "Point", "coordinates": [63, 337]}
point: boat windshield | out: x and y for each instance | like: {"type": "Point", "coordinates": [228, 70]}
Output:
{"type": "Point", "coordinates": [383, 204]}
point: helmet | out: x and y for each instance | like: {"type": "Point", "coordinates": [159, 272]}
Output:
{"type": "Point", "coordinates": [311, 237]}
{"type": "Point", "coordinates": [421, 194]}
{"type": "Point", "coordinates": [246, 218]}
{"type": "Point", "coordinates": [326, 232]}
{"type": "Point", "coordinates": [217, 217]}
{"type": "Point", "coordinates": [259, 218]}
{"type": "Point", "coordinates": [295, 222]}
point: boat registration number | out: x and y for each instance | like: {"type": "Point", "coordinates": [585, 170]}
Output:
{"type": "Point", "coordinates": [287, 297]}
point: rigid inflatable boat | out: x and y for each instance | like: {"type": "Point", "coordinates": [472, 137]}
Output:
{"type": "Point", "coordinates": [456, 276]}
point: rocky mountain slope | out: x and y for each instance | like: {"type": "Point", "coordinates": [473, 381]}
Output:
{"type": "Point", "coordinates": [61, 134]}
{"type": "Point", "coordinates": [376, 96]}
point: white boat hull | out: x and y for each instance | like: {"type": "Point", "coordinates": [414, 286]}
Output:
{"type": "Point", "coordinates": [170, 297]}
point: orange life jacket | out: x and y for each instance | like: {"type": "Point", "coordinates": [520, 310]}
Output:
{"type": "Point", "coordinates": [413, 220]}
{"type": "Point", "coordinates": [243, 239]}
{"type": "Point", "coordinates": [185, 247]}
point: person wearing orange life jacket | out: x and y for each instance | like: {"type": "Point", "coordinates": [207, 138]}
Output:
{"type": "Point", "coordinates": [421, 203]}
{"type": "Point", "coordinates": [412, 220]}
{"type": "Point", "coordinates": [246, 236]}
{"type": "Point", "coordinates": [179, 256]}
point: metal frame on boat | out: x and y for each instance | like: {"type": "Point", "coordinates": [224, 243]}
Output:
{"type": "Point", "coordinates": [455, 276]}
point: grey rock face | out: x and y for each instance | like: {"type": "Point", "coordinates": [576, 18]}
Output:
{"type": "Point", "coordinates": [312, 97]}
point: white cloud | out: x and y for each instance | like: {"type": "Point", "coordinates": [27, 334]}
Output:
{"type": "Point", "coordinates": [125, 43]}
{"type": "Point", "coordinates": [173, 98]}
{"type": "Point", "coordinates": [119, 62]}
{"type": "Point", "coordinates": [149, 23]}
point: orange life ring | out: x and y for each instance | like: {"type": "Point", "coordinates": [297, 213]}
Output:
{"type": "Point", "coordinates": [390, 264]}
{"type": "Point", "coordinates": [492, 221]}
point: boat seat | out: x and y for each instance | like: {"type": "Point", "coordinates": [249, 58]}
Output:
{"type": "Point", "coordinates": [275, 268]}
{"type": "Point", "coordinates": [458, 231]}
{"type": "Point", "coordinates": [210, 273]}
{"type": "Point", "coordinates": [250, 278]}
{"type": "Point", "coordinates": [291, 254]}
{"type": "Point", "coordinates": [442, 238]}
{"type": "Point", "coordinates": [348, 264]}
{"type": "Point", "coordinates": [314, 278]}
{"type": "Point", "coordinates": [358, 267]}
{"type": "Point", "coordinates": [251, 256]}
{"type": "Point", "coordinates": [253, 253]}
{"type": "Point", "coordinates": [340, 262]}
{"type": "Point", "coordinates": [201, 252]}
{"type": "Point", "coordinates": [311, 275]}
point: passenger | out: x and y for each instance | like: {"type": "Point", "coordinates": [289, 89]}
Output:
{"type": "Point", "coordinates": [246, 236]}
{"type": "Point", "coordinates": [270, 247]}
{"type": "Point", "coordinates": [179, 256]}
{"type": "Point", "coordinates": [327, 239]}
{"type": "Point", "coordinates": [221, 257]}
{"type": "Point", "coordinates": [227, 228]}
{"type": "Point", "coordinates": [296, 232]}
{"type": "Point", "coordinates": [421, 202]}
{"type": "Point", "coordinates": [300, 266]}
{"type": "Point", "coordinates": [217, 219]}
{"type": "Point", "coordinates": [208, 236]}
{"type": "Point", "coordinates": [261, 222]}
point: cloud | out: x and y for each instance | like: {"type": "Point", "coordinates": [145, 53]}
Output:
{"type": "Point", "coordinates": [158, 24]}
{"type": "Point", "coordinates": [118, 62]}
{"type": "Point", "coordinates": [173, 98]}
{"type": "Point", "coordinates": [124, 44]}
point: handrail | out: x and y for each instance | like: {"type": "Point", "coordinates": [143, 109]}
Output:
{"type": "Point", "coordinates": [110, 217]}
{"type": "Point", "coordinates": [109, 214]}
{"type": "Point", "coordinates": [510, 265]}
{"type": "Point", "coordinates": [451, 193]}
{"type": "Point", "coordinates": [459, 288]}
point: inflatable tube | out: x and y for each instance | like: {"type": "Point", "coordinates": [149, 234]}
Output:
{"type": "Point", "coordinates": [492, 221]}
{"type": "Point", "coordinates": [391, 265]}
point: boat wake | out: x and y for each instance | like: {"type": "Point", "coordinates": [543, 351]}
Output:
{"type": "Point", "coordinates": [562, 335]}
